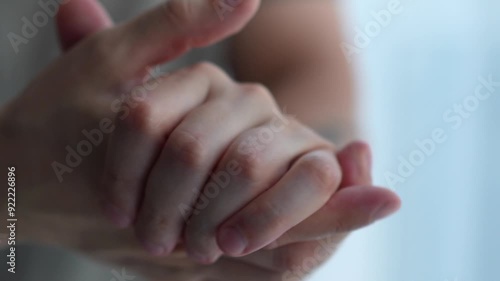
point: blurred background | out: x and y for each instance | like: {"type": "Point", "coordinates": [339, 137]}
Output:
{"type": "Point", "coordinates": [412, 73]}
{"type": "Point", "coordinates": [418, 65]}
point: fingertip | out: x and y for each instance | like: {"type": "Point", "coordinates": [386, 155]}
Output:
{"type": "Point", "coordinates": [379, 202]}
{"type": "Point", "coordinates": [78, 19]}
{"type": "Point", "coordinates": [231, 241]}
{"type": "Point", "coordinates": [363, 149]}
{"type": "Point", "coordinates": [356, 163]}
{"type": "Point", "coordinates": [177, 26]}
{"type": "Point", "coordinates": [392, 203]}
{"type": "Point", "coordinates": [359, 206]}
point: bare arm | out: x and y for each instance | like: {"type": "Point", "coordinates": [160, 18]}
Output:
{"type": "Point", "coordinates": [292, 47]}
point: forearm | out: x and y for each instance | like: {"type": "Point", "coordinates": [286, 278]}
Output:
{"type": "Point", "coordinates": [298, 57]}
{"type": "Point", "coordinates": [319, 96]}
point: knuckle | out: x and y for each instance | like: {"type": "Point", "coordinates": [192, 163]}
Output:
{"type": "Point", "coordinates": [141, 118]}
{"type": "Point", "coordinates": [250, 165]}
{"type": "Point", "coordinates": [249, 155]}
{"type": "Point", "coordinates": [256, 88]}
{"type": "Point", "coordinates": [209, 69]}
{"type": "Point", "coordinates": [259, 92]}
{"type": "Point", "coordinates": [188, 148]}
{"type": "Point", "coordinates": [322, 169]}
{"type": "Point", "coordinates": [205, 67]}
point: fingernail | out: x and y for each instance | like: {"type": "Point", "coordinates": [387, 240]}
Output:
{"type": "Point", "coordinates": [382, 212]}
{"type": "Point", "coordinates": [231, 241]}
{"type": "Point", "coordinates": [154, 249]}
{"type": "Point", "coordinates": [116, 216]}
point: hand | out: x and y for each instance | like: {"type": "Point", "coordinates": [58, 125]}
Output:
{"type": "Point", "coordinates": [159, 162]}
{"type": "Point", "coordinates": [84, 102]}
{"type": "Point", "coordinates": [64, 118]}
{"type": "Point", "coordinates": [305, 247]}
{"type": "Point", "coordinates": [81, 92]}
{"type": "Point", "coordinates": [160, 156]}
{"type": "Point", "coordinates": [298, 252]}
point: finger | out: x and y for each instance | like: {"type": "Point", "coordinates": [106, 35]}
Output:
{"type": "Point", "coordinates": [189, 155]}
{"type": "Point", "coordinates": [171, 29]}
{"type": "Point", "coordinates": [349, 208]}
{"type": "Point", "coordinates": [356, 163]}
{"type": "Point", "coordinates": [307, 186]}
{"type": "Point", "coordinates": [78, 19]}
{"type": "Point", "coordinates": [141, 127]}
{"type": "Point", "coordinates": [253, 163]}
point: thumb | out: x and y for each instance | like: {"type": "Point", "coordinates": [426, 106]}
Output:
{"type": "Point", "coordinates": [355, 205]}
{"type": "Point", "coordinates": [78, 19]}
{"type": "Point", "coordinates": [173, 28]}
